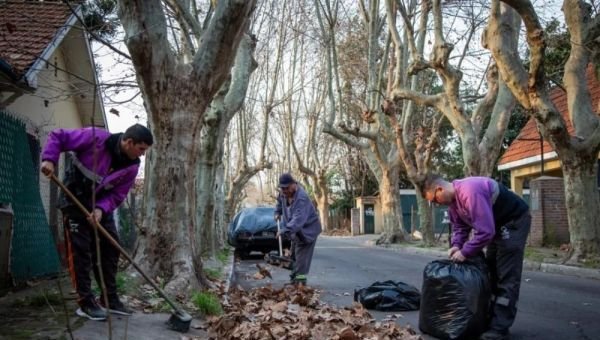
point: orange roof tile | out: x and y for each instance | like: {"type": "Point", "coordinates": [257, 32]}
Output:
{"type": "Point", "coordinates": [526, 145]}
{"type": "Point", "coordinates": [27, 28]}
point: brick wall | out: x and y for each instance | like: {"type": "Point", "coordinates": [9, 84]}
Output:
{"type": "Point", "coordinates": [549, 224]}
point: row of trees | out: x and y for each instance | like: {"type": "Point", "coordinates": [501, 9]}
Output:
{"type": "Point", "coordinates": [235, 87]}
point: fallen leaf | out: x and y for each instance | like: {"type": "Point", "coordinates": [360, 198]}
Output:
{"type": "Point", "coordinates": [263, 271]}
{"type": "Point", "coordinates": [280, 306]}
{"type": "Point", "coordinates": [296, 313]}
{"type": "Point", "coordinates": [347, 334]}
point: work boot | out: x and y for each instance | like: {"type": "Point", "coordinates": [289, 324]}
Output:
{"type": "Point", "coordinates": [115, 306]}
{"type": "Point", "coordinates": [90, 309]}
{"type": "Point", "coordinates": [493, 334]}
{"type": "Point", "coordinates": [300, 280]}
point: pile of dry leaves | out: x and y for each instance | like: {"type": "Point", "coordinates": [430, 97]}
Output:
{"type": "Point", "coordinates": [295, 313]}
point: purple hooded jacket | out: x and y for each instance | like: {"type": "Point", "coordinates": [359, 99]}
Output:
{"type": "Point", "coordinates": [115, 185]}
{"type": "Point", "coordinates": [472, 210]}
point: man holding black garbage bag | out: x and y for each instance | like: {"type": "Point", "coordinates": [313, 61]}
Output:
{"type": "Point", "coordinates": [500, 221]}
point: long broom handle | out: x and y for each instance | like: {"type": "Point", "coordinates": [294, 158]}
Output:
{"type": "Point", "coordinates": [279, 237]}
{"type": "Point", "coordinates": [116, 244]}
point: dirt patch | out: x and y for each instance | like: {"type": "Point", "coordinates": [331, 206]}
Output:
{"type": "Point", "coordinates": [38, 312]}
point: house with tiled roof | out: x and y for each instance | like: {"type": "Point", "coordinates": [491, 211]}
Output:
{"type": "Point", "coordinates": [529, 156]}
{"type": "Point", "coordinates": [47, 80]}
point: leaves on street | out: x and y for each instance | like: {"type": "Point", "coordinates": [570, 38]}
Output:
{"type": "Point", "coordinates": [294, 312]}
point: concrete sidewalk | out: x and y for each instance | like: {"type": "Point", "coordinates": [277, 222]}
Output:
{"type": "Point", "coordinates": [138, 326]}
{"type": "Point", "coordinates": [141, 326]}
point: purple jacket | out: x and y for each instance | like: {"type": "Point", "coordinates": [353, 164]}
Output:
{"type": "Point", "coordinates": [301, 218]}
{"type": "Point", "coordinates": [116, 185]}
{"type": "Point", "coordinates": [472, 210]}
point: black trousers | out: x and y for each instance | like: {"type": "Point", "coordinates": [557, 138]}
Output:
{"type": "Point", "coordinates": [82, 255]}
{"type": "Point", "coordinates": [504, 257]}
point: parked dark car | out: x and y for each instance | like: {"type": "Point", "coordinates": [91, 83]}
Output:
{"type": "Point", "coordinates": [254, 229]}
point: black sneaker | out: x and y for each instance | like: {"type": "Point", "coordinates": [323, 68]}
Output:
{"type": "Point", "coordinates": [117, 307]}
{"type": "Point", "coordinates": [92, 311]}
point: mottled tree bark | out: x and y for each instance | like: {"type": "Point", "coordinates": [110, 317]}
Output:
{"type": "Point", "coordinates": [578, 152]}
{"type": "Point", "coordinates": [224, 106]}
{"type": "Point", "coordinates": [176, 96]}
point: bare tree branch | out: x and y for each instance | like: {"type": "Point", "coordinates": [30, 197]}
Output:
{"type": "Point", "coordinates": [94, 35]}
{"type": "Point", "coordinates": [223, 32]}
{"type": "Point", "coordinates": [356, 132]}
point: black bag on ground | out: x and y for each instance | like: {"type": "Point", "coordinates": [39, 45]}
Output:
{"type": "Point", "coordinates": [455, 299]}
{"type": "Point", "coordinates": [389, 296]}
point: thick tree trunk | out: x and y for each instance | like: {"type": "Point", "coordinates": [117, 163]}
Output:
{"type": "Point", "coordinates": [322, 198]}
{"type": "Point", "coordinates": [425, 219]}
{"type": "Point", "coordinates": [323, 208]}
{"type": "Point", "coordinates": [230, 208]}
{"type": "Point", "coordinates": [391, 210]}
{"type": "Point", "coordinates": [168, 248]}
{"type": "Point", "coordinates": [211, 152]}
{"type": "Point", "coordinates": [582, 200]}
{"type": "Point", "coordinates": [176, 96]}
{"type": "Point", "coordinates": [220, 221]}
{"type": "Point", "coordinates": [471, 155]}
{"type": "Point", "coordinates": [577, 152]}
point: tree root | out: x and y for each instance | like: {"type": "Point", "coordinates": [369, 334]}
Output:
{"type": "Point", "coordinates": [389, 238]}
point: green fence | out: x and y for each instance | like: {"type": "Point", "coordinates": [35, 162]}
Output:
{"type": "Point", "coordinates": [33, 252]}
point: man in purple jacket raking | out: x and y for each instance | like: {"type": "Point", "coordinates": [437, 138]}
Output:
{"type": "Point", "coordinates": [500, 221]}
{"type": "Point", "coordinates": [101, 168]}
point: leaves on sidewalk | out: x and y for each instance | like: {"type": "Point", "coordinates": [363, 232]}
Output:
{"type": "Point", "coordinates": [262, 272]}
{"type": "Point", "coordinates": [295, 313]}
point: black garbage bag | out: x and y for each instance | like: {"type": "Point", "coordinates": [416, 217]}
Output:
{"type": "Point", "coordinates": [389, 296]}
{"type": "Point", "coordinates": [455, 299]}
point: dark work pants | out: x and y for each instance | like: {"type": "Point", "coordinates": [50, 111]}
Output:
{"type": "Point", "coordinates": [82, 256]}
{"type": "Point", "coordinates": [302, 255]}
{"type": "Point", "coordinates": [505, 261]}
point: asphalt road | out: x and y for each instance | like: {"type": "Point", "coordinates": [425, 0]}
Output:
{"type": "Point", "coordinates": [551, 306]}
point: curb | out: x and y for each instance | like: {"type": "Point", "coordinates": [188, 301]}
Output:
{"type": "Point", "coordinates": [570, 270]}
{"type": "Point", "coordinates": [527, 264]}
{"type": "Point", "coordinates": [230, 279]}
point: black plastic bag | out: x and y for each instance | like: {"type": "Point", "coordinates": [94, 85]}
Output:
{"type": "Point", "coordinates": [389, 296]}
{"type": "Point", "coordinates": [455, 299]}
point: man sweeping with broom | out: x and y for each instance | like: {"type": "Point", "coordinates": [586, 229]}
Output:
{"type": "Point", "coordinates": [301, 225]}
{"type": "Point", "coordinates": [101, 169]}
